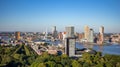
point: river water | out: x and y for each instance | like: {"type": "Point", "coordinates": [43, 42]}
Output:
{"type": "Point", "coordinates": [105, 49]}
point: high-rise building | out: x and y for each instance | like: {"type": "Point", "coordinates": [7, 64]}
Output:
{"type": "Point", "coordinates": [54, 32]}
{"type": "Point", "coordinates": [70, 42]}
{"type": "Point", "coordinates": [81, 36]}
{"type": "Point", "coordinates": [86, 32]}
{"type": "Point", "coordinates": [69, 31]}
{"type": "Point", "coordinates": [53, 28]}
{"type": "Point", "coordinates": [17, 35]}
{"type": "Point", "coordinates": [60, 36]}
{"type": "Point", "coordinates": [46, 35]}
{"type": "Point", "coordinates": [64, 35]}
{"type": "Point", "coordinates": [91, 36]}
{"type": "Point", "coordinates": [101, 30]}
{"type": "Point", "coordinates": [70, 46]}
{"type": "Point", "coordinates": [101, 35]}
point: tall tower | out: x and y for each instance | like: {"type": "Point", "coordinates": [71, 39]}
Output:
{"type": "Point", "coordinates": [69, 31]}
{"type": "Point", "coordinates": [60, 36]}
{"type": "Point", "coordinates": [101, 30]}
{"type": "Point", "coordinates": [70, 42]}
{"type": "Point", "coordinates": [54, 32]}
{"type": "Point", "coordinates": [46, 35]}
{"type": "Point", "coordinates": [64, 35]}
{"type": "Point", "coordinates": [54, 28]}
{"type": "Point", "coordinates": [86, 32]}
{"type": "Point", "coordinates": [17, 35]}
{"type": "Point", "coordinates": [91, 36]}
{"type": "Point", "coordinates": [101, 35]}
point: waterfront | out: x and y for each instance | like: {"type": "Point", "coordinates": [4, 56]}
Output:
{"type": "Point", "coordinates": [105, 49]}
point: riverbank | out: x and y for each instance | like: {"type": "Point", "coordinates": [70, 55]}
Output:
{"type": "Point", "coordinates": [105, 49]}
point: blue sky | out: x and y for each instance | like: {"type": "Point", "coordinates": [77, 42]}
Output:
{"type": "Point", "coordinates": [37, 15]}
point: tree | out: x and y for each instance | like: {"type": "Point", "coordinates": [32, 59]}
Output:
{"type": "Point", "coordinates": [6, 59]}
{"type": "Point", "coordinates": [86, 64]}
{"type": "Point", "coordinates": [87, 58]}
{"type": "Point", "coordinates": [100, 65]}
{"type": "Point", "coordinates": [41, 65]}
{"type": "Point", "coordinates": [75, 64]}
{"type": "Point", "coordinates": [16, 56]}
{"type": "Point", "coordinates": [64, 56]}
{"type": "Point", "coordinates": [57, 59]}
{"type": "Point", "coordinates": [0, 59]}
{"type": "Point", "coordinates": [118, 64]}
{"type": "Point", "coordinates": [27, 50]}
{"type": "Point", "coordinates": [50, 64]}
{"type": "Point", "coordinates": [109, 64]}
{"type": "Point", "coordinates": [59, 65]}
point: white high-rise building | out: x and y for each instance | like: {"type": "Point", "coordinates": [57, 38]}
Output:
{"type": "Point", "coordinates": [64, 35]}
{"type": "Point", "coordinates": [91, 36]}
{"type": "Point", "coordinates": [101, 30]}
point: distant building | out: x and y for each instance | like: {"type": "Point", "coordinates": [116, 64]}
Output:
{"type": "Point", "coordinates": [86, 32]}
{"type": "Point", "coordinates": [101, 30]}
{"type": "Point", "coordinates": [115, 38]}
{"type": "Point", "coordinates": [91, 36]}
{"type": "Point", "coordinates": [81, 36]}
{"type": "Point", "coordinates": [69, 31]}
{"type": "Point", "coordinates": [60, 36]}
{"type": "Point", "coordinates": [76, 34]}
{"type": "Point", "coordinates": [17, 35]}
{"type": "Point", "coordinates": [95, 40]}
{"type": "Point", "coordinates": [64, 35]}
{"type": "Point", "coordinates": [54, 32]}
{"type": "Point", "coordinates": [101, 35]}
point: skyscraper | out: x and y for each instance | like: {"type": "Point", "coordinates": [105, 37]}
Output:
{"type": "Point", "coordinates": [101, 30]}
{"type": "Point", "coordinates": [53, 28]}
{"type": "Point", "coordinates": [86, 32]}
{"type": "Point", "coordinates": [64, 35]}
{"type": "Point", "coordinates": [69, 31]}
{"type": "Point", "coordinates": [46, 35]}
{"type": "Point", "coordinates": [91, 36]}
{"type": "Point", "coordinates": [70, 46]}
{"type": "Point", "coordinates": [17, 35]}
{"type": "Point", "coordinates": [70, 42]}
{"type": "Point", "coordinates": [54, 32]}
{"type": "Point", "coordinates": [60, 36]}
{"type": "Point", "coordinates": [101, 35]}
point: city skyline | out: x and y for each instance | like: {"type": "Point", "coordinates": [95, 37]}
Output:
{"type": "Point", "coordinates": [37, 15]}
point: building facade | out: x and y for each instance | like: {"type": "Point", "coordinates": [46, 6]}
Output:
{"type": "Point", "coordinates": [17, 35]}
{"type": "Point", "coordinates": [70, 46]}
{"type": "Point", "coordinates": [70, 42]}
{"type": "Point", "coordinates": [54, 32]}
{"type": "Point", "coordinates": [86, 32]}
{"type": "Point", "coordinates": [69, 31]}
{"type": "Point", "coordinates": [101, 35]}
{"type": "Point", "coordinates": [91, 36]}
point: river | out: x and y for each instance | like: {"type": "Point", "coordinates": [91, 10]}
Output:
{"type": "Point", "coordinates": [105, 49]}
